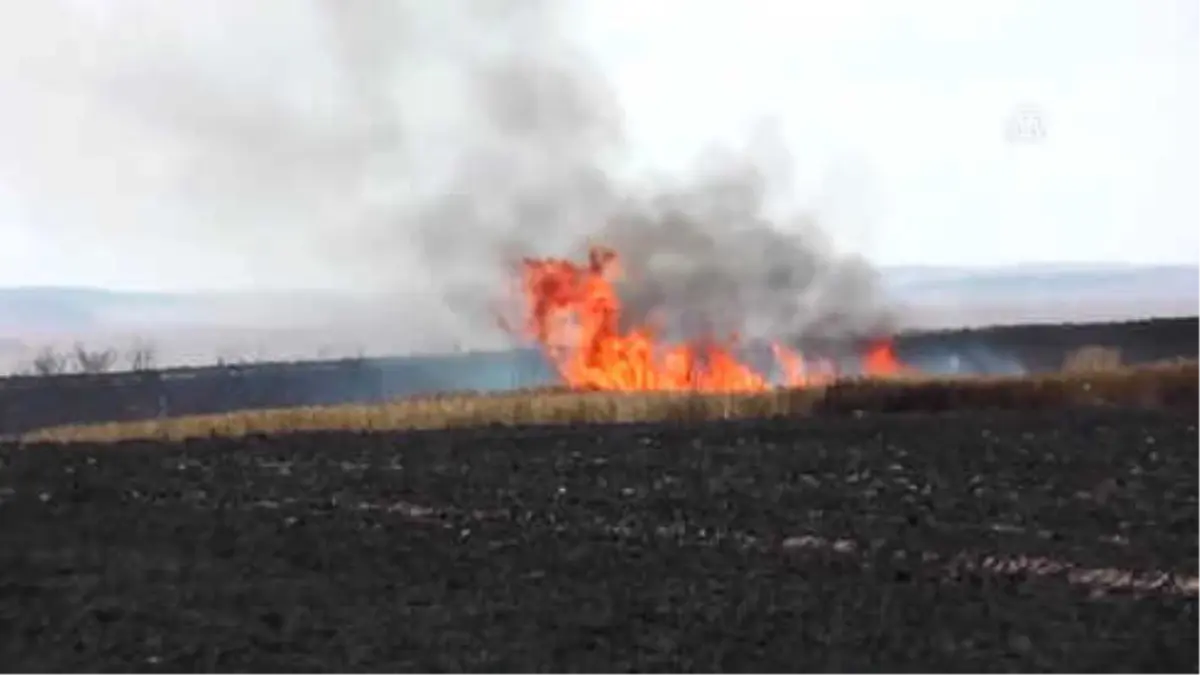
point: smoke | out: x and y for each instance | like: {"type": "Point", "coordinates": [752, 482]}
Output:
{"type": "Point", "coordinates": [706, 256]}
{"type": "Point", "coordinates": [963, 357]}
{"type": "Point", "coordinates": [400, 145]}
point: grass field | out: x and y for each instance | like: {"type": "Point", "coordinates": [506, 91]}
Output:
{"type": "Point", "coordinates": [1170, 385]}
{"type": "Point", "coordinates": [32, 403]}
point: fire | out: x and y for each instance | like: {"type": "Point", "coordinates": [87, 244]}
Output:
{"type": "Point", "coordinates": [880, 359]}
{"type": "Point", "coordinates": [574, 315]}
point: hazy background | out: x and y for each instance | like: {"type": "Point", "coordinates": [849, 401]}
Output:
{"type": "Point", "coordinates": [898, 159]}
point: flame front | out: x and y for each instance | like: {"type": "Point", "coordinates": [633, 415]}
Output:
{"type": "Point", "coordinates": [573, 313]}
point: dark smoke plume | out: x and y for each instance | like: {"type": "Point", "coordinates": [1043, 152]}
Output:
{"type": "Point", "coordinates": [409, 146]}
{"type": "Point", "coordinates": [706, 257]}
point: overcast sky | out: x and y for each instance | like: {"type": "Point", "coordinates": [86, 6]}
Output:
{"type": "Point", "coordinates": [898, 117]}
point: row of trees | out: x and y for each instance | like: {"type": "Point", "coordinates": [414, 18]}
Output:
{"type": "Point", "coordinates": [140, 357]}
{"type": "Point", "coordinates": [81, 359]}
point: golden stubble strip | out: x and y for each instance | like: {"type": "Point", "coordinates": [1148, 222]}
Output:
{"type": "Point", "coordinates": [1155, 386]}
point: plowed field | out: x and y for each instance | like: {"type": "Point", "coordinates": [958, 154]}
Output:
{"type": "Point", "coordinates": [979, 541]}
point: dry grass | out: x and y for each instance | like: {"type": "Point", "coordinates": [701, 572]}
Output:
{"type": "Point", "coordinates": [1159, 386]}
{"type": "Point", "coordinates": [1092, 358]}
{"type": "Point", "coordinates": [1167, 385]}
{"type": "Point", "coordinates": [459, 411]}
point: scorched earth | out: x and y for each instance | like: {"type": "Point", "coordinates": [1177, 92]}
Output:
{"type": "Point", "coordinates": [972, 541]}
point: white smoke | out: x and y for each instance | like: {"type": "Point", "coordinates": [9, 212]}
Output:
{"type": "Point", "coordinates": [398, 145]}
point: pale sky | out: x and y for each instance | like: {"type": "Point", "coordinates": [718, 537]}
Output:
{"type": "Point", "coordinates": [907, 101]}
{"type": "Point", "coordinates": [896, 113]}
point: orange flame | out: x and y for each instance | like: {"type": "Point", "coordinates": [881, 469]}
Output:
{"type": "Point", "coordinates": [574, 312]}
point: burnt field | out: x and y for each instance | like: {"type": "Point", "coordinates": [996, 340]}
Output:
{"type": "Point", "coordinates": [970, 541]}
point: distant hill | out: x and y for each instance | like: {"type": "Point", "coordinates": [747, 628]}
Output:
{"type": "Point", "coordinates": [1046, 279]}
{"type": "Point", "coordinates": [66, 309]}
{"type": "Point", "coordinates": [1045, 293]}
{"type": "Point", "coordinates": [201, 327]}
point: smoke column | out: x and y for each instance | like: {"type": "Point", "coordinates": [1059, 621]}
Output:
{"type": "Point", "coordinates": [705, 256]}
{"type": "Point", "coordinates": [409, 147]}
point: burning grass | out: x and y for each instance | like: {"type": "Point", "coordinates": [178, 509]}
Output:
{"type": "Point", "coordinates": [611, 372]}
{"type": "Point", "coordinates": [573, 312]}
{"type": "Point", "coordinates": [1172, 386]}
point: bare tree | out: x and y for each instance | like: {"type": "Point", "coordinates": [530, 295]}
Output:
{"type": "Point", "coordinates": [1092, 358]}
{"type": "Point", "coordinates": [229, 359]}
{"type": "Point", "coordinates": [92, 362]}
{"type": "Point", "coordinates": [49, 362]}
{"type": "Point", "coordinates": [354, 361]}
{"type": "Point", "coordinates": [141, 356]}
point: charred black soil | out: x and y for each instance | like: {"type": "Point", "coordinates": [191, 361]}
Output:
{"type": "Point", "coordinates": [967, 541]}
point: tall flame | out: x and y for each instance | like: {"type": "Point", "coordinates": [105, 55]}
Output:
{"type": "Point", "coordinates": [574, 314]}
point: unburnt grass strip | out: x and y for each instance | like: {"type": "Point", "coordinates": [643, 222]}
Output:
{"type": "Point", "coordinates": [1160, 386]}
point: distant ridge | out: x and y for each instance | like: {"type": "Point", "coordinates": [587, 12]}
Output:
{"type": "Point", "coordinates": [201, 326]}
